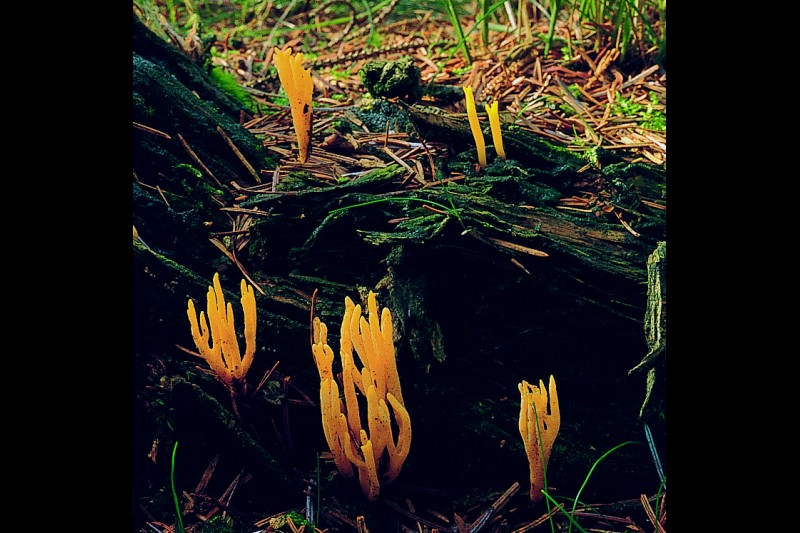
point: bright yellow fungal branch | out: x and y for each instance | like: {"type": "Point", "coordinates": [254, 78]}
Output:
{"type": "Point", "coordinates": [373, 450]}
{"type": "Point", "coordinates": [477, 134]}
{"type": "Point", "coordinates": [296, 81]}
{"type": "Point", "coordinates": [215, 337]}
{"type": "Point", "coordinates": [538, 430]}
{"type": "Point", "coordinates": [494, 122]}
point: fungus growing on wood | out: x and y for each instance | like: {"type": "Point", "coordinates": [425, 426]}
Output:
{"type": "Point", "coordinates": [475, 126]}
{"type": "Point", "coordinates": [494, 123]}
{"type": "Point", "coordinates": [296, 81]}
{"type": "Point", "coordinates": [373, 451]}
{"type": "Point", "coordinates": [538, 430]}
{"type": "Point", "coordinates": [215, 335]}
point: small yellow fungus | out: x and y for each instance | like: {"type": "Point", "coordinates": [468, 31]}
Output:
{"type": "Point", "coordinates": [494, 122]}
{"type": "Point", "coordinates": [538, 430]}
{"type": "Point", "coordinates": [296, 81]}
{"type": "Point", "coordinates": [215, 337]}
{"type": "Point", "coordinates": [472, 114]}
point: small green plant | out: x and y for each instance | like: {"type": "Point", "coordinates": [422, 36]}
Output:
{"type": "Point", "coordinates": [375, 40]}
{"type": "Point", "coordinates": [571, 514]}
{"type": "Point", "coordinates": [633, 23]}
{"type": "Point", "coordinates": [460, 71]}
{"type": "Point", "coordinates": [484, 6]}
{"type": "Point", "coordinates": [626, 106]}
{"type": "Point", "coordinates": [555, 7]}
{"type": "Point", "coordinates": [450, 7]}
{"type": "Point", "coordinates": [651, 118]}
{"type": "Point", "coordinates": [190, 169]}
{"type": "Point", "coordinates": [281, 100]}
{"type": "Point", "coordinates": [228, 83]}
{"type": "Point", "coordinates": [589, 474]}
{"type": "Point", "coordinates": [219, 524]}
{"type": "Point", "coordinates": [179, 527]}
{"type": "Point", "coordinates": [462, 36]}
{"type": "Point", "coordinates": [590, 155]}
{"type": "Point", "coordinates": [450, 210]}
{"type": "Point", "coordinates": [340, 74]}
{"type": "Point", "coordinates": [298, 519]}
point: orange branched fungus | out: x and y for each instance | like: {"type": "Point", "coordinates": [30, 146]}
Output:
{"type": "Point", "coordinates": [216, 337]}
{"type": "Point", "coordinates": [477, 134]}
{"type": "Point", "coordinates": [296, 81]}
{"type": "Point", "coordinates": [373, 451]}
{"type": "Point", "coordinates": [494, 122]}
{"type": "Point", "coordinates": [538, 430]}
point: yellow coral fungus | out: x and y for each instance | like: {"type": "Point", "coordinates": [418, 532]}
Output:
{"type": "Point", "coordinates": [215, 337]}
{"type": "Point", "coordinates": [538, 430]}
{"type": "Point", "coordinates": [373, 450]}
{"type": "Point", "coordinates": [497, 135]}
{"type": "Point", "coordinates": [296, 81]}
{"type": "Point", "coordinates": [477, 134]}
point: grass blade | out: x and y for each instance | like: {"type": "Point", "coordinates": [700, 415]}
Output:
{"type": "Point", "coordinates": [174, 492]}
{"type": "Point", "coordinates": [462, 43]}
{"type": "Point", "coordinates": [591, 470]}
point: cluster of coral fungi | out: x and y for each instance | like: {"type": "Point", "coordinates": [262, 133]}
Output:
{"type": "Point", "coordinates": [371, 451]}
{"type": "Point", "coordinates": [215, 335]}
{"type": "Point", "coordinates": [371, 389]}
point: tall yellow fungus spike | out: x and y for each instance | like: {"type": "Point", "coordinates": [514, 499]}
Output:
{"type": "Point", "coordinates": [215, 337]}
{"type": "Point", "coordinates": [494, 123]}
{"type": "Point", "coordinates": [373, 451]}
{"type": "Point", "coordinates": [296, 81]}
{"type": "Point", "coordinates": [538, 430]}
{"type": "Point", "coordinates": [475, 126]}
